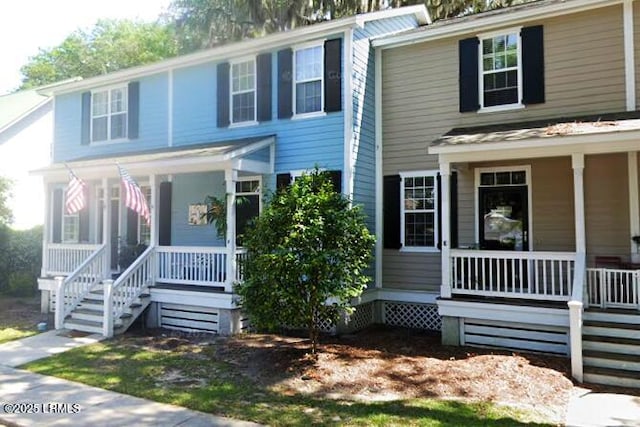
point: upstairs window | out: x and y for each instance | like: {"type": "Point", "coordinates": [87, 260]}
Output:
{"type": "Point", "coordinates": [243, 91]}
{"type": "Point", "coordinates": [500, 80]}
{"type": "Point", "coordinates": [109, 114]}
{"type": "Point", "coordinates": [308, 87]}
{"type": "Point", "coordinates": [502, 71]}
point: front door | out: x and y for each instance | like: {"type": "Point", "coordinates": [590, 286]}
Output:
{"type": "Point", "coordinates": [504, 219]}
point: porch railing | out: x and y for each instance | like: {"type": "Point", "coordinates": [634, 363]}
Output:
{"type": "Point", "coordinates": [526, 275]}
{"type": "Point", "coordinates": [62, 258]}
{"type": "Point", "coordinates": [204, 266]}
{"type": "Point", "coordinates": [241, 256]}
{"type": "Point", "coordinates": [71, 290]}
{"type": "Point", "coordinates": [123, 292]}
{"type": "Point", "coordinates": [613, 288]}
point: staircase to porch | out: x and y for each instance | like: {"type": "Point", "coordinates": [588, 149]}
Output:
{"type": "Point", "coordinates": [88, 316]}
{"type": "Point", "coordinates": [611, 347]}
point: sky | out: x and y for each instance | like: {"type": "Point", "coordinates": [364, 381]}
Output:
{"type": "Point", "coordinates": [27, 25]}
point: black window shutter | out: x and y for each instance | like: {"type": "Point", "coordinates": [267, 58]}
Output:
{"type": "Point", "coordinates": [283, 180]}
{"type": "Point", "coordinates": [56, 220]}
{"type": "Point", "coordinates": [532, 65]}
{"type": "Point", "coordinates": [134, 109]}
{"type": "Point", "coordinates": [453, 211]}
{"type": "Point", "coordinates": [164, 214]}
{"type": "Point", "coordinates": [223, 94]}
{"type": "Point", "coordinates": [285, 84]}
{"type": "Point", "coordinates": [332, 75]}
{"type": "Point", "coordinates": [85, 137]}
{"type": "Point", "coordinates": [263, 65]}
{"type": "Point", "coordinates": [468, 74]}
{"type": "Point", "coordinates": [84, 221]}
{"type": "Point", "coordinates": [132, 227]}
{"type": "Point", "coordinates": [336, 180]}
{"type": "Point", "coordinates": [391, 212]}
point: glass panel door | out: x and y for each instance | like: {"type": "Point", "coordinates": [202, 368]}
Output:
{"type": "Point", "coordinates": [504, 218]}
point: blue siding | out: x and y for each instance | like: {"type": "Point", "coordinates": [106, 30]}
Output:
{"type": "Point", "coordinates": [152, 131]}
{"type": "Point", "coordinates": [363, 143]}
{"type": "Point", "coordinates": [300, 143]}
{"type": "Point", "coordinates": [191, 189]}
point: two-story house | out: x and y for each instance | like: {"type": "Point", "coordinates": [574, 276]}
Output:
{"type": "Point", "coordinates": [228, 122]}
{"type": "Point", "coordinates": [508, 181]}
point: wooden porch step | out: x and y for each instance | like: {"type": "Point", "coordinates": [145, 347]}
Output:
{"type": "Point", "coordinates": [83, 325]}
{"type": "Point", "coordinates": [610, 376]}
{"type": "Point", "coordinates": [603, 359]}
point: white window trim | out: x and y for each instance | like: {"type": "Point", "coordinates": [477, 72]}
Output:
{"type": "Point", "coordinates": [310, 114]}
{"type": "Point", "coordinates": [514, 168]}
{"type": "Point", "coordinates": [505, 107]}
{"type": "Point", "coordinates": [63, 218]}
{"type": "Point", "coordinates": [108, 89]}
{"type": "Point", "coordinates": [144, 187]}
{"type": "Point", "coordinates": [436, 234]}
{"type": "Point", "coordinates": [254, 121]}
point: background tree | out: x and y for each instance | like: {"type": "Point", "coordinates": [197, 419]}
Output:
{"type": "Point", "coordinates": [109, 46]}
{"type": "Point", "coordinates": [308, 246]}
{"type": "Point", "coordinates": [6, 216]}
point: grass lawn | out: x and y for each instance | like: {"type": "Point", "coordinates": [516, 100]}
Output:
{"type": "Point", "coordinates": [19, 317]}
{"type": "Point", "coordinates": [10, 334]}
{"type": "Point", "coordinates": [194, 377]}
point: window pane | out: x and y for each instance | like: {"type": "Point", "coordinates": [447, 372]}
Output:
{"type": "Point", "coordinates": [308, 97]}
{"type": "Point", "coordinates": [512, 59]}
{"type": "Point", "coordinates": [487, 46]}
{"type": "Point", "coordinates": [503, 178]}
{"type": "Point", "coordinates": [242, 76]}
{"type": "Point", "coordinates": [419, 229]}
{"type": "Point", "coordinates": [243, 107]}
{"type": "Point", "coordinates": [99, 129]}
{"type": "Point", "coordinates": [118, 126]}
{"type": "Point", "coordinates": [518, 177]}
{"type": "Point", "coordinates": [309, 63]}
{"type": "Point", "coordinates": [486, 178]}
{"type": "Point", "coordinates": [487, 64]}
{"type": "Point", "coordinates": [118, 101]}
{"type": "Point", "coordinates": [100, 101]}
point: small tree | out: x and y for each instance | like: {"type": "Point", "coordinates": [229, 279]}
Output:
{"type": "Point", "coordinates": [307, 254]}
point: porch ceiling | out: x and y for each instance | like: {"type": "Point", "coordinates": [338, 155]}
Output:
{"type": "Point", "coordinates": [238, 154]}
{"type": "Point", "coordinates": [612, 132]}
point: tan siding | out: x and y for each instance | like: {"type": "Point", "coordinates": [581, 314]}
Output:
{"type": "Point", "coordinates": [418, 271]}
{"type": "Point", "coordinates": [584, 68]}
{"type": "Point", "coordinates": [607, 205]}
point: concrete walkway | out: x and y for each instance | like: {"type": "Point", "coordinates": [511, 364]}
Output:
{"type": "Point", "coordinates": [19, 352]}
{"type": "Point", "coordinates": [589, 409]}
{"type": "Point", "coordinates": [28, 399]}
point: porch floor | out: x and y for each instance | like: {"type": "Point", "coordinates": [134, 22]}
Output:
{"type": "Point", "coordinates": [189, 288]}
{"type": "Point", "coordinates": [510, 301]}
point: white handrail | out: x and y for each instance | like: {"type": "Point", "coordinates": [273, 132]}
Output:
{"type": "Point", "coordinates": [125, 289]}
{"type": "Point", "coordinates": [192, 265]}
{"type": "Point", "coordinates": [62, 258]}
{"type": "Point", "coordinates": [71, 290]}
{"type": "Point", "coordinates": [510, 274]}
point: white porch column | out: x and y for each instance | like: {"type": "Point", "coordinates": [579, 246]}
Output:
{"type": "Point", "coordinates": [634, 204]}
{"type": "Point", "coordinates": [577, 162]}
{"type": "Point", "coordinates": [231, 176]}
{"type": "Point", "coordinates": [153, 209]}
{"type": "Point", "coordinates": [445, 180]}
{"type": "Point", "coordinates": [45, 228]}
{"type": "Point", "coordinates": [106, 222]}
{"type": "Point", "coordinates": [629, 55]}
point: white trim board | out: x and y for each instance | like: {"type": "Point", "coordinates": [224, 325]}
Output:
{"type": "Point", "coordinates": [504, 312]}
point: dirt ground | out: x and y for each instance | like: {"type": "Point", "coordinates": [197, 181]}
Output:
{"type": "Point", "coordinates": [383, 363]}
{"type": "Point", "coordinates": [21, 313]}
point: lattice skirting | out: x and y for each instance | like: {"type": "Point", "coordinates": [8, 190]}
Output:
{"type": "Point", "coordinates": [360, 318]}
{"type": "Point", "coordinates": [419, 316]}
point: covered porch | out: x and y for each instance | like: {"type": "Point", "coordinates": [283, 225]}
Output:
{"type": "Point", "coordinates": [544, 214]}
{"type": "Point", "coordinates": [108, 249]}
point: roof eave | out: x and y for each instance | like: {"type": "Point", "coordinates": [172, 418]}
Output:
{"type": "Point", "coordinates": [484, 24]}
{"type": "Point", "coordinates": [628, 136]}
{"type": "Point", "coordinates": [26, 114]}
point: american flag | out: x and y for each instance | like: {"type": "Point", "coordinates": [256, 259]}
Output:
{"type": "Point", "coordinates": [134, 197]}
{"type": "Point", "coordinates": [75, 199]}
